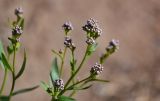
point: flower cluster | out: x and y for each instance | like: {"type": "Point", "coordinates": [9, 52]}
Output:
{"type": "Point", "coordinates": [68, 43]}
{"type": "Point", "coordinates": [59, 84]}
{"type": "Point", "coordinates": [67, 27]}
{"type": "Point", "coordinates": [18, 11]}
{"type": "Point", "coordinates": [90, 41]}
{"type": "Point", "coordinates": [113, 46]}
{"type": "Point", "coordinates": [92, 28]}
{"type": "Point", "coordinates": [96, 69]}
{"type": "Point", "coordinates": [17, 31]}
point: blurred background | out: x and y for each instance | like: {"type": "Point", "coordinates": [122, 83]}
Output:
{"type": "Point", "coordinates": [133, 71]}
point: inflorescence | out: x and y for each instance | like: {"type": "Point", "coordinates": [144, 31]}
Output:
{"type": "Point", "coordinates": [17, 31]}
{"type": "Point", "coordinates": [68, 42]}
{"type": "Point", "coordinates": [96, 69]}
{"type": "Point", "coordinates": [18, 11]}
{"type": "Point", "coordinates": [67, 26]}
{"type": "Point", "coordinates": [59, 84]}
{"type": "Point", "coordinates": [92, 28]}
{"type": "Point", "coordinates": [113, 46]}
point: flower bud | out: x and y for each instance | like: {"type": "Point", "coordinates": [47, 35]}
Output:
{"type": "Point", "coordinates": [92, 28]}
{"type": "Point", "coordinates": [59, 84]}
{"type": "Point", "coordinates": [113, 46]}
{"type": "Point", "coordinates": [68, 43]}
{"type": "Point", "coordinates": [17, 31]}
{"type": "Point", "coordinates": [90, 41]}
{"type": "Point", "coordinates": [67, 27]}
{"type": "Point", "coordinates": [18, 11]}
{"type": "Point", "coordinates": [96, 69]}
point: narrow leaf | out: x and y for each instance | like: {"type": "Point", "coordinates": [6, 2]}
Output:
{"type": "Point", "coordinates": [22, 67]}
{"type": "Point", "coordinates": [99, 80]}
{"type": "Point", "coordinates": [4, 98]}
{"type": "Point", "coordinates": [1, 51]}
{"type": "Point", "coordinates": [24, 90]}
{"type": "Point", "coordinates": [65, 98]}
{"type": "Point", "coordinates": [44, 85]}
{"type": "Point", "coordinates": [5, 62]}
{"type": "Point", "coordinates": [54, 70]}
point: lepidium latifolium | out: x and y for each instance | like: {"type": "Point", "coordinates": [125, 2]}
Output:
{"type": "Point", "coordinates": [64, 91]}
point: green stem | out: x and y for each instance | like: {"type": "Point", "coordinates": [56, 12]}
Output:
{"type": "Point", "coordinates": [4, 81]}
{"type": "Point", "coordinates": [73, 66]}
{"type": "Point", "coordinates": [86, 79]}
{"type": "Point", "coordinates": [80, 66]}
{"type": "Point", "coordinates": [104, 57]}
{"type": "Point", "coordinates": [74, 92]}
{"type": "Point", "coordinates": [13, 74]}
{"type": "Point", "coordinates": [62, 63]}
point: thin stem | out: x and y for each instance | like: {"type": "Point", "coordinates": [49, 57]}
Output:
{"type": "Point", "coordinates": [13, 74]}
{"type": "Point", "coordinates": [79, 82]}
{"type": "Point", "coordinates": [103, 58]}
{"type": "Point", "coordinates": [80, 66]}
{"type": "Point", "coordinates": [62, 63]}
{"type": "Point", "coordinates": [73, 66]}
{"type": "Point", "coordinates": [4, 81]}
{"type": "Point", "coordinates": [4, 78]}
{"type": "Point", "coordinates": [74, 92]}
{"type": "Point", "coordinates": [57, 54]}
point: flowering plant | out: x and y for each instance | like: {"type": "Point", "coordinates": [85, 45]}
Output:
{"type": "Point", "coordinates": [8, 58]}
{"type": "Point", "coordinates": [58, 88]}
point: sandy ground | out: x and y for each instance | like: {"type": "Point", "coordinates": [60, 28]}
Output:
{"type": "Point", "coordinates": [133, 71]}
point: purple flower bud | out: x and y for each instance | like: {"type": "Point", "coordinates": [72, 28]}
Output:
{"type": "Point", "coordinates": [18, 11]}
{"type": "Point", "coordinates": [90, 41]}
{"type": "Point", "coordinates": [92, 28]}
{"type": "Point", "coordinates": [68, 43]}
{"type": "Point", "coordinates": [96, 69]}
{"type": "Point", "coordinates": [17, 31]}
{"type": "Point", "coordinates": [113, 46]}
{"type": "Point", "coordinates": [67, 26]}
{"type": "Point", "coordinates": [59, 84]}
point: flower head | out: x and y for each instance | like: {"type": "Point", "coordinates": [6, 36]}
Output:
{"type": "Point", "coordinates": [113, 46]}
{"type": "Point", "coordinates": [59, 84]}
{"type": "Point", "coordinates": [17, 31]}
{"type": "Point", "coordinates": [96, 69]}
{"type": "Point", "coordinates": [67, 26]}
{"type": "Point", "coordinates": [90, 41]}
{"type": "Point", "coordinates": [18, 11]}
{"type": "Point", "coordinates": [92, 28]}
{"type": "Point", "coordinates": [68, 43]}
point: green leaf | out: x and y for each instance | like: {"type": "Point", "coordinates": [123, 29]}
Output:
{"type": "Point", "coordinates": [5, 62]}
{"type": "Point", "coordinates": [4, 98]}
{"type": "Point", "coordinates": [10, 49]}
{"type": "Point", "coordinates": [24, 90]}
{"type": "Point", "coordinates": [22, 67]}
{"type": "Point", "coordinates": [54, 74]}
{"type": "Point", "coordinates": [65, 98]}
{"type": "Point", "coordinates": [1, 51]}
{"type": "Point", "coordinates": [99, 80]}
{"type": "Point", "coordinates": [44, 86]}
{"type": "Point", "coordinates": [91, 48]}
